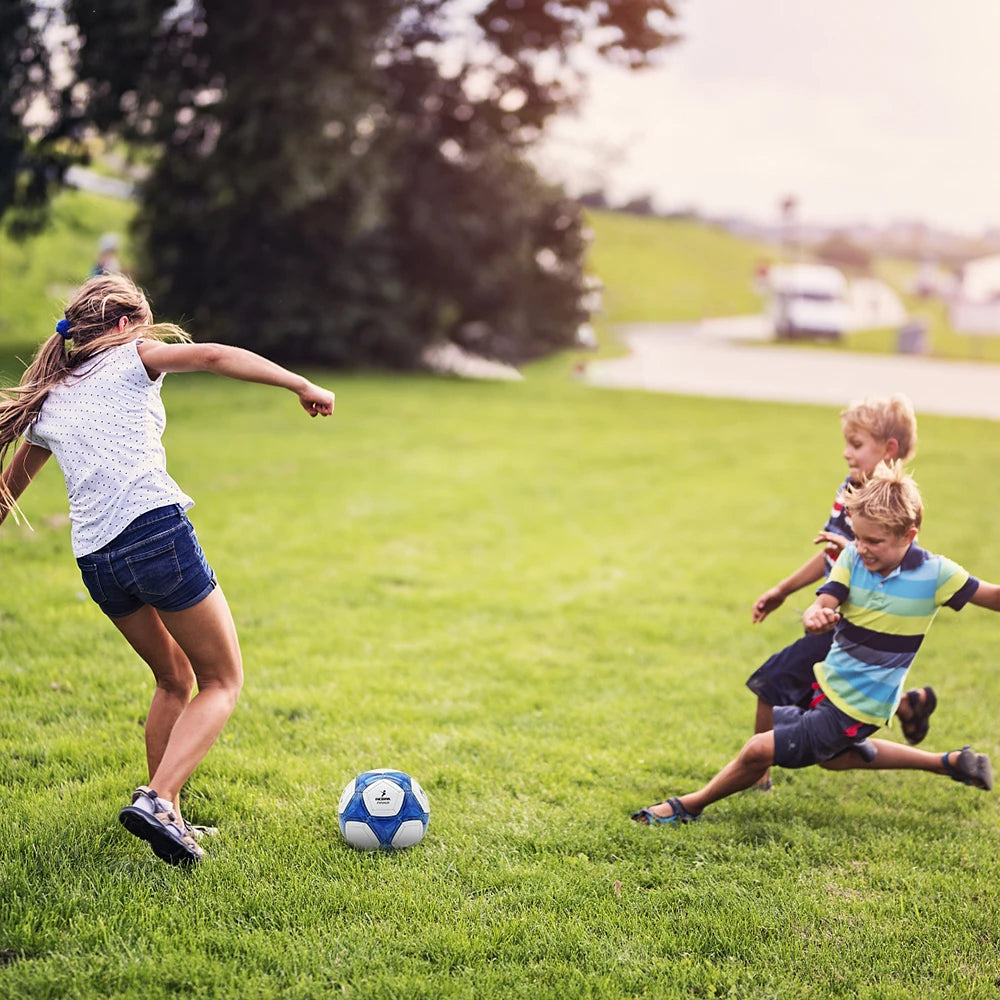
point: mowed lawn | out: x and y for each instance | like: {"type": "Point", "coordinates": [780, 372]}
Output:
{"type": "Point", "coordinates": [535, 598]}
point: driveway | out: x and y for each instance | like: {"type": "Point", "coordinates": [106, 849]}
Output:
{"type": "Point", "coordinates": [717, 358]}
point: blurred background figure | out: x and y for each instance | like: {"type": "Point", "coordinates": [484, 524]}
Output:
{"type": "Point", "coordinates": [107, 255]}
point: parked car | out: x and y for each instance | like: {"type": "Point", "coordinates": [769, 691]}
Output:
{"type": "Point", "coordinates": [808, 300]}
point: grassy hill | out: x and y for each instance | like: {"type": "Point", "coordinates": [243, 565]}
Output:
{"type": "Point", "coordinates": [664, 270]}
{"type": "Point", "coordinates": [656, 270]}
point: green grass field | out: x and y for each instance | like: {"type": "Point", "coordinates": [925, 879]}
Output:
{"type": "Point", "coordinates": [535, 598]}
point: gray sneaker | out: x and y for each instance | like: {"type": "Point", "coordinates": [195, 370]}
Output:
{"type": "Point", "coordinates": [151, 819]}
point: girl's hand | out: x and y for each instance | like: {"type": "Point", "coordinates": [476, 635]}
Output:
{"type": "Point", "coordinates": [833, 544]}
{"type": "Point", "coordinates": [315, 401]}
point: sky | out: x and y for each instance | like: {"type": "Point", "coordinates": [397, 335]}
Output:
{"type": "Point", "coordinates": [863, 110]}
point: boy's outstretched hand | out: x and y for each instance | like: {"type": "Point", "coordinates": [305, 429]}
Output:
{"type": "Point", "coordinates": [766, 603]}
{"type": "Point", "coordinates": [817, 619]}
{"type": "Point", "coordinates": [833, 544]}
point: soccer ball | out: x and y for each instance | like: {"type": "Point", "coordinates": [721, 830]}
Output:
{"type": "Point", "coordinates": [383, 809]}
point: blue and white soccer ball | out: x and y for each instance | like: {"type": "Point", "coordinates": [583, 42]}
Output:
{"type": "Point", "coordinates": [383, 809]}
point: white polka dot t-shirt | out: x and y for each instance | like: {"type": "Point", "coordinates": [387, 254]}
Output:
{"type": "Point", "coordinates": [104, 428]}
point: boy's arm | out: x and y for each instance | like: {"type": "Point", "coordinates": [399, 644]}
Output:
{"type": "Point", "coordinates": [987, 595]}
{"type": "Point", "coordinates": [821, 615]}
{"type": "Point", "coordinates": [233, 362]}
{"type": "Point", "coordinates": [809, 572]}
{"type": "Point", "coordinates": [23, 467]}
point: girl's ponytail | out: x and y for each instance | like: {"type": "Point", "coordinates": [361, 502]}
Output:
{"type": "Point", "coordinates": [91, 325]}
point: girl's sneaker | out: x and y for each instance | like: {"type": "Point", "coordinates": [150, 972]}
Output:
{"type": "Point", "coordinates": [154, 820]}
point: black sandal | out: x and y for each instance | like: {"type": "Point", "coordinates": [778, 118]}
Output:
{"type": "Point", "coordinates": [679, 815]}
{"type": "Point", "coordinates": [916, 727]}
{"type": "Point", "coordinates": [970, 768]}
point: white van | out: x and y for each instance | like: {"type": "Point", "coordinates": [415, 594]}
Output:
{"type": "Point", "coordinates": [808, 300]}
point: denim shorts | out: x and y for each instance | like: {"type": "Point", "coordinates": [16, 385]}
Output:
{"type": "Point", "coordinates": [813, 735]}
{"type": "Point", "coordinates": [156, 560]}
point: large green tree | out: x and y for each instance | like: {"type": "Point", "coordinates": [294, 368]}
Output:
{"type": "Point", "coordinates": [346, 182]}
{"type": "Point", "coordinates": [36, 123]}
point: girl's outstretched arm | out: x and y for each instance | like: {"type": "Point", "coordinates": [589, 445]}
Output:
{"type": "Point", "coordinates": [234, 362]}
{"type": "Point", "coordinates": [23, 467]}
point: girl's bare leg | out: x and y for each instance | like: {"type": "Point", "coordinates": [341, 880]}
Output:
{"type": "Point", "coordinates": [205, 636]}
{"type": "Point", "coordinates": [175, 680]}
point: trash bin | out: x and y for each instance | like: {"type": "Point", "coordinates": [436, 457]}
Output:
{"type": "Point", "coordinates": [912, 338]}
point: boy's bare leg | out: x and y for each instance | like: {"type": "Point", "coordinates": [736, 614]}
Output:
{"type": "Point", "coordinates": [754, 760]}
{"type": "Point", "coordinates": [892, 757]}
{"type": "Point", "coordinates": [763, 723]}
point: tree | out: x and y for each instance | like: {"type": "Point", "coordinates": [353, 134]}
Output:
{"type": "Point", "coordinates": [841, 251]}
{"type": "Point", "coordinates": [346, 183]}
{"type": "Point", "coordinates": [36, 125]}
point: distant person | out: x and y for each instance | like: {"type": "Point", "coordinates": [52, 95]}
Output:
{"type": "Point", "coordinates": [874, 430]}
{"type": "Point", "coordinates": [881, 598]}
{"type": "Point", "coordinates": [92, 397]}
{"type": "Point", "coordinates": [107, 256]}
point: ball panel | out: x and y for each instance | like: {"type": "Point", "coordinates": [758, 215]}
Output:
{"type": "Point", "coordinates": [420, 794]}
{"type": "Point", "coordinates": [383, 797]}
{"type": "Point", "coordinates": [346, 795]}
{"type": "Point", "coordinates": [410, 832]}
{"type": "Point", "coordinates": [360, 835]}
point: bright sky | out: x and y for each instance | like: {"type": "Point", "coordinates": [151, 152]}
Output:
{"type": "Point", "coordinates": [865, 110]}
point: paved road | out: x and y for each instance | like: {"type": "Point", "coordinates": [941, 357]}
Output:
{"type": "Point", "coordinates": [701, 360]}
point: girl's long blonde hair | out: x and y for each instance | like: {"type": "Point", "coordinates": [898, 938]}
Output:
{"type": "Point", "coordinates": [93, 315]}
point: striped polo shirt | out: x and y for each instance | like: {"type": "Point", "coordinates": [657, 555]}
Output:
{"type": "Point", "coordinates": [883, 622]}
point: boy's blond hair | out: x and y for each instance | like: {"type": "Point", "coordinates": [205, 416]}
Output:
{"type": "Point", "coordinates": [885, 418]}
{"type": "Point", "coordinates": [889, 496]}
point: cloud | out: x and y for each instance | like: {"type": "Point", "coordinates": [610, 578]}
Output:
{"type": "Point", "coordinates": [864, 111]}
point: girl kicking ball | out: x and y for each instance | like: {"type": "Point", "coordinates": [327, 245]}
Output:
{"type": "Point", "coordinates": [91, 397]}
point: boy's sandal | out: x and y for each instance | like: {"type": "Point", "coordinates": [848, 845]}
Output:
{"type": "Point", "coordinates": [970, 768]}
{"type": "Point", "coordinates": [916, 727]}
{"type": "Point", "coordinates": [679, 815]}
{"type": "Point", "coordinates": [160, 828]}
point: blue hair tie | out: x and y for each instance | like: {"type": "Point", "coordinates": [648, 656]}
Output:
{"type": "Point", "coordinates": [63, 329]}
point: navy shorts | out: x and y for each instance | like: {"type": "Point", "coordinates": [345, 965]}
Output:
{"type": "Point", "coordinates": [787, 677]}
{"type": "Point", "coordinates": [156, 560]}
{"type": "Point", "coordinates": [805, 736]}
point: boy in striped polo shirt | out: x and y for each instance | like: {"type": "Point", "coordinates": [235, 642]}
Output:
{"type": "Point", "coordinates": [875, 430]}
{"type": "Point", "coordinates": [879, 601]}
